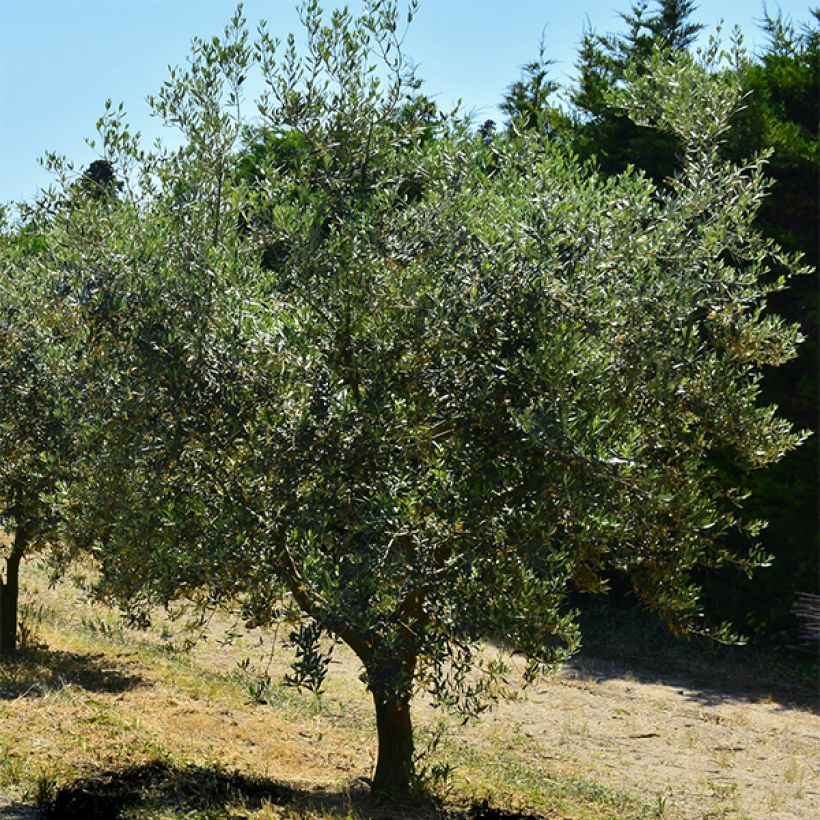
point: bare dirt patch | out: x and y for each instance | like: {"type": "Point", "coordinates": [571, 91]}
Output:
{"type": "Point", "coordinates": [702, 753]}
{"type": "Point", "coordinates": [738, 749]}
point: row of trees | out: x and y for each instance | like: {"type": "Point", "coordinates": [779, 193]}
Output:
{"type": "Point", "coordinates": [349, 362]}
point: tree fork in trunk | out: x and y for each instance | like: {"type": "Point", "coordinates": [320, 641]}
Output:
{"type": "Point", "coordinates": [394, 768]}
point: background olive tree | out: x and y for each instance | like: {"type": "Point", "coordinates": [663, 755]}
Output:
{"type": "Point", "coordinates": [349, 364]}
{"type": "Point", "coordinates": [35, 418]}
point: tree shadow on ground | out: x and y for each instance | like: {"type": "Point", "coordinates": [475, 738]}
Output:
{"type": "Point", "coordinates": [38, 671]}
{"type": "Point", "coordinates": [698, 686]}
{"type": "Point", "coordinates": [18, 811]}
{"type": "Point", "coordinates": [619, 641]}
{"type": "Point", "coordinates": [158, 786]}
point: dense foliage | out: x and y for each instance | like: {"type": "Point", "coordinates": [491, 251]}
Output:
{"type": "Point", "coordinates": [778, 117]}
{"type": "Point", "coordinates": [35, 420]}
{"type": "Point", "coordinates": [602, 129]}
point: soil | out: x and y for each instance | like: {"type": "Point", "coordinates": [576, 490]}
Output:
{"type": "Point", "coordinates": [688, 749]}
{"type": "Point", "coordinates": [699, 744]}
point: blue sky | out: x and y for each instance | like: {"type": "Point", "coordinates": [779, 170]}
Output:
{"type": "Point", "coordinates": [60, 59]}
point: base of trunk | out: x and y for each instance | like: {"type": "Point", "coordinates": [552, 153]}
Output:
{"type": "Point", "coordinates": [394, 777]}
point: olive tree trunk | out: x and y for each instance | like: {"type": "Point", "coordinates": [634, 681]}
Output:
{"type": "Point", "coordinates": [391, 684]}
{"type": "Point", "coordinates": [394, 768]}
{"type": "Point", "coordinates": [9, 593]}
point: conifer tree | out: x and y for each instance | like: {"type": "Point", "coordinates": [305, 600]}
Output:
{"type": "Point", "coordinates": [603, 131]}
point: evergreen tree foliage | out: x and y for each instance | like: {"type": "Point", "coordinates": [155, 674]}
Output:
{"type": "Point", "coordinates": [528, 101]}
{"type": "Point", "coordinates": [603, 131]}
{"type": "Point", "coordinates": [780, 117]}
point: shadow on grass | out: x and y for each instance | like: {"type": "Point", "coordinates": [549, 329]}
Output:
{"type": "Point", "coordinates": [18, 811]}
{"type": "Point", "coordinates": [621, 641]}
{"type": "Point", "coordinates": [39, 671]}
{"type": "Point", "coordinates": [213, 791]}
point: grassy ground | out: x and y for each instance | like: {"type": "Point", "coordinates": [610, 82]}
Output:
{"type": "Point", "coordinates": [107, 720]}
{"type": "Point", "coordinates": [98, 720]}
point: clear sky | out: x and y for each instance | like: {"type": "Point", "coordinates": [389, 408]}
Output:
{"type": "Point", "coordinates": [60, 59]}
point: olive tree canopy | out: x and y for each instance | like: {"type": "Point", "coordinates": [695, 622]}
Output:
{"type": "Point", "coordinates": [36, 417]}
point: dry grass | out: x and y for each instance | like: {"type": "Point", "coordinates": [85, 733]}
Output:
{"type": "Point", "coordinates": [128, 722]}
{"type": "Point", "coordinates": [109, 719]}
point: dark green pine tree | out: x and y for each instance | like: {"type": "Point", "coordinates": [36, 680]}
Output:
{"type": "Point", "coordinates": [99, 180]}
{"type": "Point", "coordinates": [528, 102]}
{"type": "Point", "coordinates": [673, 26]}
{"type": "Point", "coordinates": [781, 115]}
{"type": "Point", "coordinates": [603, 132]}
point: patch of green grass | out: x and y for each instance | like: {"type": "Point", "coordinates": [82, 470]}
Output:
{"type": "Point", "coordinates": [12, 767]}
{"type": "Point", "coordinates": [517, 782]}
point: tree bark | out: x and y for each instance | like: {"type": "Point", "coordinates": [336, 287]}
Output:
{"type": "Point", "coordinates": [394, 769]}
{"type": "Point", "coordinates": [9, 592]}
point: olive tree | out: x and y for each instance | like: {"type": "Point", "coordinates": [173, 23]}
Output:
{"type": "Point", "coordinates": [409, 384]}
{"type": "Point", "coordinates": [35, 440]}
